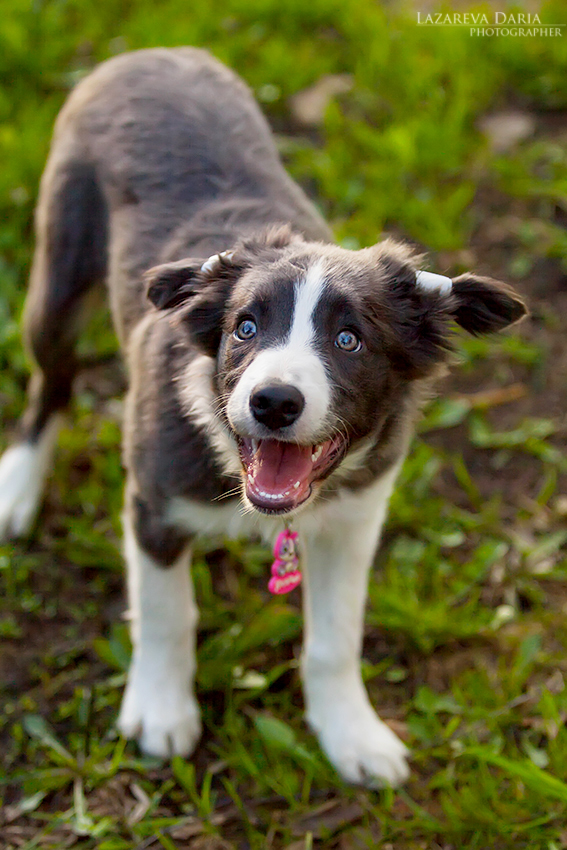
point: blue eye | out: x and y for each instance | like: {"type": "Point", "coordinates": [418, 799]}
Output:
{"type": "Point", "coordinates": [246, 330]}
{"type": "Point", "coordinates": [348, 341]}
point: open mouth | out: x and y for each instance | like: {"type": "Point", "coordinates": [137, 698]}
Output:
{"type": "Point", "coordinates": [279, 476]}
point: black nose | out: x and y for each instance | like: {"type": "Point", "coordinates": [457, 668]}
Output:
{"type": "Point", "coordinates": [277, 406]}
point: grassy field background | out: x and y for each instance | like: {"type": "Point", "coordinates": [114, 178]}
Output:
{"type": "Point", "coordinates": [466, 645]}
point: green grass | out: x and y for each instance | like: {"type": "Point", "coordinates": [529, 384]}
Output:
{"type": "Point", "coordinates": [465, 646]}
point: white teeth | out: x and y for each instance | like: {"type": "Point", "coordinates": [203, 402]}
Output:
{"type": "Point", "coordinates": [296, 485]}
{"type": "Point", "coordinates": [254, 446]}
{"type": "Point", "coordinates": [317, 454]}
{"type": "Point", "coordinates": [272, 496]}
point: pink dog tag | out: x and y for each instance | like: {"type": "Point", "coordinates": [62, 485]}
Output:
{"type": "Point", "coordinates": [285, 572]}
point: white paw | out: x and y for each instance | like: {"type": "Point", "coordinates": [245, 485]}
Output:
{"type": "Point", "coordinates": [360, 746]}
{"type": "Point", "coordinates": [165, 720]}
{"type": "Point", "coordinates": [22, 476]}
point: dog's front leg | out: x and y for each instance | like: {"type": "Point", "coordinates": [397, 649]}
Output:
{"type": "Point", "coordinates": [159, 707]}
{"type": "Point", "coordinates": [338, 557]}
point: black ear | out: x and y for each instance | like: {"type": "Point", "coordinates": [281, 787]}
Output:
{"type": "Point", "coordinates": [203, 316]}
{"type": "Point", "coordinates": [172, 283]}
{"type": "Point", "coordinates": [200, 288]}
{"type": "Point", "coordinates": [482, 305]}
{"type": "Point", "coordinates": [416, 330]}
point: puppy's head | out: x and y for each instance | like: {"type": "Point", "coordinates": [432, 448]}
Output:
{"type": "Point", "coordinates": [316, 347]}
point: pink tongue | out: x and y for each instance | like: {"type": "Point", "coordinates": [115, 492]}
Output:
{"type": "Point", "coordinates": [277, 466]}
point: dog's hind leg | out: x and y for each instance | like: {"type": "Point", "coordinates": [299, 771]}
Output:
{"type": "Point", "coordinates": [69, 259]}
{"type": "Point", "coordinates": [159, 707]}
{"type": "Point", "coordinates": [338, 558]}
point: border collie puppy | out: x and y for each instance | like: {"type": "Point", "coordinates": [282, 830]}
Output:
{"type": "Point", "coordinates": [272, 375]}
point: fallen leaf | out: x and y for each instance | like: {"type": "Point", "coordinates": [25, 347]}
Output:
{"type": "Point", "coordinates": [192, 825]}
{"type": "Point", "coordinates": [211, 842]}
{"type": "Point", "coordinates": [505, 129]}
{"type": "Point", "coordinates": [491, 398]}
{"type": "Point", "coordinates": [141, 807]}
{"type": "Point", "coordinates": [308, 106]}
{"type": "Point", "coordinates": [327, 818]}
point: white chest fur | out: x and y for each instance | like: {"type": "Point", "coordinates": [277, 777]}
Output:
{"type": "Point", "coordinates": [230, 520]}
{"type": "Point", "coordinates": [233, 519]}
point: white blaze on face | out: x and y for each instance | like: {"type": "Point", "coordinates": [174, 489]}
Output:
{"type": "Point", "coordinates": [293, 361]}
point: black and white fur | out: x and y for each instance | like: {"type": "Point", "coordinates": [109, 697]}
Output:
{"type": "Point", "coordinates": [255, 347]}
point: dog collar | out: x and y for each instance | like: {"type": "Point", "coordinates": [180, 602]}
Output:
{"type": "Point", "coordinates": [286, 574]}
{"type": "Point", "coordinates": [431, 282]}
